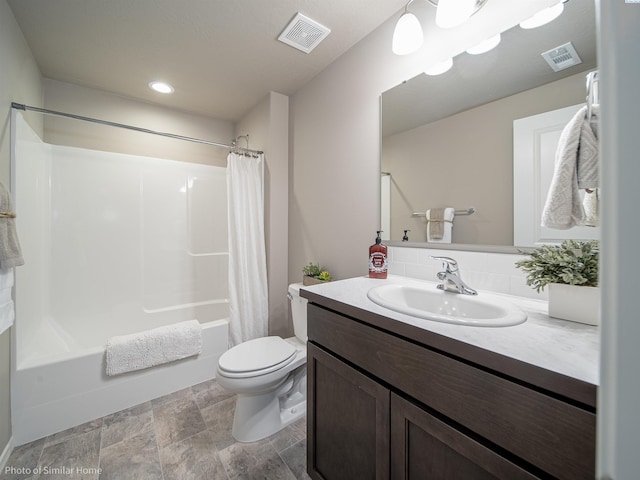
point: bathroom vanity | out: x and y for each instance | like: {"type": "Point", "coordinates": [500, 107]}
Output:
{"type": "Point", "coordinates": [392, 396]}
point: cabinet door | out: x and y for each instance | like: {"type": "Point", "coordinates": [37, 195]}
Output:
{"type": "Point", "coordinates": [347, 421]}
{"type": "Point", "coordinates": [424, 447]}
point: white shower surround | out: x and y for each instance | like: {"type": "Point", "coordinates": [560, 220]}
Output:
{"type": "Point", "coordinates": [114, 244]}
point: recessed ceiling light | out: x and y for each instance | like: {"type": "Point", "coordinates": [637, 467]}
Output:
{"type": "Point", "coordinates": [161, 87]}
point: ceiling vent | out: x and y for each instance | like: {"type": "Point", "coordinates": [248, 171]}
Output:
{"type": "Point", "coordinates": [562, 57]}
{"type": "Point", "coordinates": [303, 33]}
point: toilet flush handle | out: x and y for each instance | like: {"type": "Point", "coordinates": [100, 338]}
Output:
{"type": "Point", "coordinates": [290, 297]}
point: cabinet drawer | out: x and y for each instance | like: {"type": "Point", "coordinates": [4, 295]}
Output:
{"type": "Point", "coordinates": [555, 436]}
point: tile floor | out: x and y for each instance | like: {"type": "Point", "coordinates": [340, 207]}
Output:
{"type": "Point", "coordinates": [184, 435]}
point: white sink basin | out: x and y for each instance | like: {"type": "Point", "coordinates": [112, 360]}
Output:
{"type": "Point", "coordinates": [484, 310]}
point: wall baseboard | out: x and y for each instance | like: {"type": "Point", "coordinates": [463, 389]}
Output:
{"type": "Point", "coordinates": [5, 454]}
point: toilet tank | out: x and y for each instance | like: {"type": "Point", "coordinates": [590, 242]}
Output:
{"type": "Point", "coordinates": [298, 312]}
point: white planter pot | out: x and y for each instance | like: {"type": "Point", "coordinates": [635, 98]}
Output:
{"type": "Point", "coordinates": [574, 303]}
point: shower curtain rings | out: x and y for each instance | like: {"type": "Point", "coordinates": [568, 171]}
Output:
{"type": "Point", "coordinates": [242, 150]}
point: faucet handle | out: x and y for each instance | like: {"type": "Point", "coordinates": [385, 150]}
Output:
{"type": "Point", "coordinates": [448, 263]}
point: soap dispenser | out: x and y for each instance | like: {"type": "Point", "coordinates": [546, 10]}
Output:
{"type": "Point", "coordinates": [378, 258]}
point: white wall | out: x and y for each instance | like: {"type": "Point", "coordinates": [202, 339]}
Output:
{"type": "Point", "coordinates": [89, 102]}
{"type": "Point", "coordinates": [267, 126]}
{"type": "Point", "coordinates": [335, 136]}
{"type": "Point", "coordinates": [19, 82]}
{"type": "Point", "coordinates": [494, 272]}
{"type": "Point", "coordinates": [618, 416]}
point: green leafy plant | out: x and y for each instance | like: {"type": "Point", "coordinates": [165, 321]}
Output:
{"type": "Point", "coordinates": [324, 276]}
{"type": "Point", "coordinates": [316, 271]}
{"type": "Point", "coordinates": [572, 263]}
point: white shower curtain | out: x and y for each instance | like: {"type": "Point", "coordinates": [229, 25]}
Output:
{"type": "Point", "coordinates": [248, 294]}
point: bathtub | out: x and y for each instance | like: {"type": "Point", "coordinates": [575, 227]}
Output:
{"type": "Point", "coordinates": [114, 244]}
{"type": "Point", "coordinates": [65, 384]}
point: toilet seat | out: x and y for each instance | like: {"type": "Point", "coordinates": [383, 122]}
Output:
{"type": "Point", "coordinates": [256, 357]}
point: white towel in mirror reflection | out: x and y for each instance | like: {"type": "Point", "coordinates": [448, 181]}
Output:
{"type": "Point", "coordinates": [440, 224]}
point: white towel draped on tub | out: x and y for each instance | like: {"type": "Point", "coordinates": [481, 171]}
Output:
{"type": "Point", "coordinates": [127, 353]}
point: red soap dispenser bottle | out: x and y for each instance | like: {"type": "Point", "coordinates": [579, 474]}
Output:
{"type": "Point", "coordinates": [378, 259]}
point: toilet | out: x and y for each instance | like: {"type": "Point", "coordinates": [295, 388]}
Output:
{"type": "Point", "coordinates": [269, 376]}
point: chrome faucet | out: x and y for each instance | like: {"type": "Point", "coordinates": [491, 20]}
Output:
{"type": "Point", "coordinates": [451, 281]}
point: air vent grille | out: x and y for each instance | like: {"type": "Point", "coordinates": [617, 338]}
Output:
{"type": "Point", "coordinates": [303, 33]}
{"type": "Point", "coordinates": [562, 57]}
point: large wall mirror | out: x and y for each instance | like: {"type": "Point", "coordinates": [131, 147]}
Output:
{"type": "Point", "coordinates": [447, 140]}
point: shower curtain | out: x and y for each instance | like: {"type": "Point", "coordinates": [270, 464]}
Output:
{"type": "Point", "coordinates": [248, 293]}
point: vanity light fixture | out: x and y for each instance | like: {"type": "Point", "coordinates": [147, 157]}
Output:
{"type": "Point", "coordinates": [407, 36]}
{"type": "Point", "coordinates": [485, 45]}
{"type": "Point", "coordinates": [161, 87]}
{"type": "Point", "coordinates": [451, 13]}
{"type": "Point", "coordinates": [543, 16]}
{"type": "Point", "coordinates": [440, 67]}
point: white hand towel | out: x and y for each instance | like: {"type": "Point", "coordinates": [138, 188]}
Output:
{"type": "Point", "coordinates": [10, 252]}
{"type": "Point", "coordinates": [6, 279]}
{"type": "Point", "coordinates": [563, 208]}
{"type": "Point", "coordinates": [447, 220]}
{"type": "Point", "coordinates": [127, 353]}
{"type": "Point", "coordinates": [7, 316]}
{"type": "Point", "coordinates": [7, 312]}
{"type": "Point", "coordinates": [589, 152]}
{"type": "Point", "coordinates": [591, 204]}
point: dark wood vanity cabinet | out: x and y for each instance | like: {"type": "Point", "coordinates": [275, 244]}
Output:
{"type": "Point", "coordinates": [350, 432]}
{"type": "Point", "coordinates": [382, 406]}
{"type": "Point", "coordinates": [425, 447]}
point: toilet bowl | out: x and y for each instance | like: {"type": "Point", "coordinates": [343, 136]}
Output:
{"type": "Point", "coordinates": [269, 376]}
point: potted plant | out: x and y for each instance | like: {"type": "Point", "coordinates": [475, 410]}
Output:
{"type": "Point", "coordinates": [314, 274]}
{"type": "Point", "coordinates": [571, 272]}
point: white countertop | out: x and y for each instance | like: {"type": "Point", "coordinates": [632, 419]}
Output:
{"type": "Point", "coordinates": [567, 348]}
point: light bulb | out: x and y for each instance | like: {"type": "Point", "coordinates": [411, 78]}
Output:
{"type": "Point", "coordinates": [439, 67]}
{"type": "Point", "coordinates": [407, 36]}
{"type": "Point", "coordinates": [161, 87]}
{"type": "Point", "coordinates": [543, 16]}
{"type": "Point", "coordinates": [451, 13]}
{"type": "Point", "coordinates": [485, 45]}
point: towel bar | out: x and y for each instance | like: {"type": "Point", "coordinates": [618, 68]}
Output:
{"type": "Point", "coordinates": [468, 211]}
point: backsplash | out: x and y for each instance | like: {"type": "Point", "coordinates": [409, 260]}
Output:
{"type": "Point", "coordinates": [495, 272]}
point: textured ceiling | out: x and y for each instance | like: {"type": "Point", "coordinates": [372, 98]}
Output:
{"type": "Point", "coordinates": [222, 56]}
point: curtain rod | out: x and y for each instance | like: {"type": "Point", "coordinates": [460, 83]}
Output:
{"type": "Point", "coordinates": [20, 106]}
